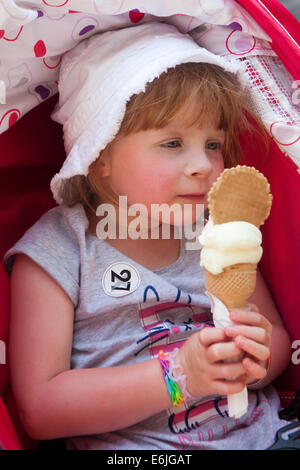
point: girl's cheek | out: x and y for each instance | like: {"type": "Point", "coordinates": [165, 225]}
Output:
{"type": "Point", "coordinates": [144, 188]}
{"type": "Point", "coordinates": [219, 167]}
{"type": "Point", "coordinates": [156, 182]}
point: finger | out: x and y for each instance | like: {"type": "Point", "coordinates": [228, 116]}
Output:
{"type": "Point", "coordinates": [209, 336]}
{"type": "Point", "coordinates": [249, 318]}
{"type": "Point", "coordinates": [256, 333]}
{"type": "Point", "coordinates": [228, 371]}
{"type": "Point", "coordinates": [253, 307]}
{"type": "Point", "coordinates": [227, 387]}
{"type": "Point", "coordinates": [220, 351]}
{"type": "Point", "coordinates": [257, 350]}
{"type": "Point", "coordinates": [255, 370]}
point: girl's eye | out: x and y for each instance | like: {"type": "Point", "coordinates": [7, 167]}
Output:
{"type": "Point", "coordinates": [213, 145]}
{"type": "Point", "coordinates": [173, 144]}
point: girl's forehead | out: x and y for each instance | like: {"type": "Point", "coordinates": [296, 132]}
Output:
{"type": "Point", "coordinates": [194, 113]}
{"type": "Point", "coordinates": [184, 121]}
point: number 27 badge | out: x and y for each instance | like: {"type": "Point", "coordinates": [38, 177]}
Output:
{"type": "Point", "coordinates": [120, 279]}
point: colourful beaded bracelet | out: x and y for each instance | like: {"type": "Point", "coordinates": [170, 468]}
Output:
{"type": "Point", "coordinates": [173, 389]}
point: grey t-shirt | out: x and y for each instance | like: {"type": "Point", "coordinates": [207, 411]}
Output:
{"type": "Point", "coordinates": [124, 314]}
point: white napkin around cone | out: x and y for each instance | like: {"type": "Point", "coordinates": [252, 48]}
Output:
{"type": "Point", "coordinates": [237, 402]}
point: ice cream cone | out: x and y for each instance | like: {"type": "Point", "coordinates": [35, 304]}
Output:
{"type": "Point", "coordinates": [234, 285]}
{"type": "Point", "coordinates": [239, 194]}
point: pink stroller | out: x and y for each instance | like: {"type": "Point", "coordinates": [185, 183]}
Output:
{"type": "Point", "coordinates": [262, 35]}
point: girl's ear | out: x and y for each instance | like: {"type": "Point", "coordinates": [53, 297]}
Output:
{"type": "Point", "coordinates": [103, 164]}
{"type": "Point", "coordinates": [104, 167]}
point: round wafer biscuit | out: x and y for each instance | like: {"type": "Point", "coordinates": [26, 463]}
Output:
{"type": "Point", "coordinates": [240, 193]}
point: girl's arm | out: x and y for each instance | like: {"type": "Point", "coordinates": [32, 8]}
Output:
{"type": "Point", "coordinates": [54, 401]}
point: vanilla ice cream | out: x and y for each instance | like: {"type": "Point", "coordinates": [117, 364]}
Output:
{"type": "Point", "coordinates": [228, 244]}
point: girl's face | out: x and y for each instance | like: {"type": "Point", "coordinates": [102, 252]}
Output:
{"type": "Point", "coordinates": [171, 165]}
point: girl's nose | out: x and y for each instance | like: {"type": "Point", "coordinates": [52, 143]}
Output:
{"type": "Point", "coordinates": [198, 164]}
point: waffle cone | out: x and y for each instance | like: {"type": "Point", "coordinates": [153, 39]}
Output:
{"type": "Point", "coordinates": [234, 285]}
{"type": "Point", "coordinates": [240, 193]}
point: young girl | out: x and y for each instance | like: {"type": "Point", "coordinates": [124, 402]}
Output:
{"type": "Point", "coordinates": [149, 115]}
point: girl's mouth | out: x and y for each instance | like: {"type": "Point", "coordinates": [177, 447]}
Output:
{"type": "Point", "coordinates": [193, 197]}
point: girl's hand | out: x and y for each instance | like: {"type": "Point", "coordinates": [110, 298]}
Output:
{"type": "Point", "coordinates": [252, 333]}
{"type": "Point", "coordinates": [201, 357]}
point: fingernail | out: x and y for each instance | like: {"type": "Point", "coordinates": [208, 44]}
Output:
{"type": "Point", "coordinates": [231, 330]}
{"type": "Point", "coordinates": [241, 341]}
{"type": "Point", "coordinates": [234, 314]}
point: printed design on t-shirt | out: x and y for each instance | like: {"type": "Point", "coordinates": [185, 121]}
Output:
{"type": "Point", "coordinates": [151, 288]}
{"type": "Point", "coordinates": [191, 417]}
{"type": "Point", "coordinates": [166, 326]}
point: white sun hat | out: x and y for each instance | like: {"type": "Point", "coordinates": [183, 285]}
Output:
{"type": "Point", "coordinates": [99, 76]}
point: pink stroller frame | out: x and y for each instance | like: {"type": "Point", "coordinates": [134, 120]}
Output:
{"type": "Point", "coordinates": [262, 35]}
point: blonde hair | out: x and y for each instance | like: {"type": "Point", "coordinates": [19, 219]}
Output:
{"type": "Point", "coordinates": [222, 101]}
